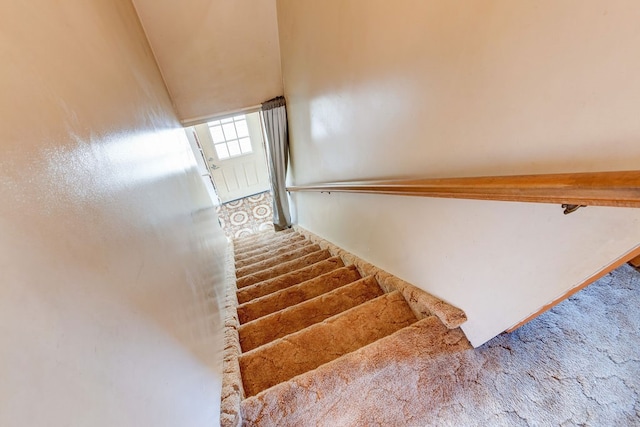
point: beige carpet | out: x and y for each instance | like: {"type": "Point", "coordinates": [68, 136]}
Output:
{"type": "Point", "coordinates": [578, 364]}
{"type": "Point", "coordinates": [299, 313]}
{"type": "Point", "coordinates": [319, 344]}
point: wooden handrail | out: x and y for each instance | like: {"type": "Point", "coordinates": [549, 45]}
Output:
{"type": "Point", "coordinates": [620, 189]}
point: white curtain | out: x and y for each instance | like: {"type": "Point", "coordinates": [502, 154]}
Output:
{"type": "Point", "coordinates": [274, 117]}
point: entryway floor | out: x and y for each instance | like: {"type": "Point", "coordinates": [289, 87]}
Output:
{"type": "Point", "coordinates": [246, 216]}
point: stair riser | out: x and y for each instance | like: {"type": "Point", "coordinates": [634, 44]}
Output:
{"type": "Point", "coordinates": [372, 367]}
{"type": "Point", "coordinates": [277, 260]}
{"type": "Point", "coordinates": [300, 316]}
{"type": "Point", "coordinates": [287, 280]}
{"type": "Point", "coordinates": [242, 255]}
{"type": "Point", "coordinates": [283, 268]}
{"type": "Point", "coordinates": [261, 236]}
{"type": "Point", "coordinates": [296, 294]}
{"type": "Point", "coordinates": [303, 351]}
{"type": "Point", "coordinates": [279, 239]}
{"type": "Point", "coordinates": [266, 242]}
{"type": "Point", "coordinates": [274, 253]}
{"type": "Point", "coordinates": [253, 238]}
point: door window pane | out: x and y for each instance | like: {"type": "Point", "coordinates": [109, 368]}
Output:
{"type": "Point", "coordinates": [234, 148]}
{"type": "Point", "coordinates": [242, 128]}
{"type": "Point", "coordinates": [230, 137]}
{"type": "Point", "coordinates": [222, 151]}
{"type": "Point", "coordinates": [216, 134]}
{"type": "Point", "coordinates": [245, 145]}
{"type": "Point", "coordinates": [229, 131]}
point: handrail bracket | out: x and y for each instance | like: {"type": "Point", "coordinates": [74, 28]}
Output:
{"type": "Point", "coordinates": [571, 208]}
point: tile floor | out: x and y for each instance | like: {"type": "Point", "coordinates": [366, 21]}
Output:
{"type": "Point", "coordinates": [247, 216]}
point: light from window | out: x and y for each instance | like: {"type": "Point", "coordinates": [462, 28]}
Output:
{"type": "Point", "coordinates": [230, 137]}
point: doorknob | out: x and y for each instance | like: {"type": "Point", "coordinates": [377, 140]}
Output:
{"type": "Point", "coordinates": [213, 166]}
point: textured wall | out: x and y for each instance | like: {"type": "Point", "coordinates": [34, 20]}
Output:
{"type": "Point", "coordinates": [110, 254]}
{"type": "Point", "coordinates": [216, 56]}
{"type": "Point", "coordinates": [436, 88]}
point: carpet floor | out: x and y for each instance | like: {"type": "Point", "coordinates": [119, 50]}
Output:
{"type": "Point", "coordinates": [577, 364]}
{"type": "Point", "coordinates": [321, 346]}
{"type": "Point", "coordinates": [301, 321]}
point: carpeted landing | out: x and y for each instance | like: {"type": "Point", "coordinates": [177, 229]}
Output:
{"type": "Point", "coordinates": [307, 320]}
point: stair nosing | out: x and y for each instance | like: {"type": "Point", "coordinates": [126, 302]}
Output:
{"type": "Point", "coordinates": [282, 255]}
{"type": "Point", "coordinates": [302, 243]}
{"type": "Point", "coordinates": [268, 242]}
{"type": "Point", "coordinates": [336, 290]}
{"type": "Point", "coordinates": [284, 264]}
{"type": "Point", "coordinates": [262, 235]}
{"type": "Point", "coordinates": [242, 255]}
{"type": "Point", "coordinates": [249, 361]}
{"type": "Point", "coordinates": [319, 324]}
{"type": "Point", "coordinates": [289, 272]}
{"type": "Point", "coordinates": [364, 348]}
{"type": "Point", "coordinates": [240, 306]}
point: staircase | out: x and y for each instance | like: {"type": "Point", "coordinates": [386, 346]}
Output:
{"type": "Point", "coordinates": [306, 321]}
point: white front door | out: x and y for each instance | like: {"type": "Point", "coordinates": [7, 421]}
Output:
{"type": "Point", "coordinates": [234, 150]}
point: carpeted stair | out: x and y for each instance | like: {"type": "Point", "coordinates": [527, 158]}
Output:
{"type": "Point", "coordinates": [303, 315]}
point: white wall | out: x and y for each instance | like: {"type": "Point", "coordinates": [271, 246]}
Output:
{"type": "Point", "coordinates": [110, 258]}
{"type": "Point", "coordinates": [434, 89]}
{"type": "Point", "coordinates": [201, 165]}
{"type": "Point", "coordinates": [216, 56]}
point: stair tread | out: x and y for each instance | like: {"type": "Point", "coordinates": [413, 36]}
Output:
{"type": "Point", "coordinates": [307, 313]}
{"type": "Point", "coordinates": [241, 255]}
{"type": "Point", "coordinates": [248, 247]}
{"type": "Point", "coordinates": [298, 321]}
{"type": "Point", "coordinates": [295, 294]}
{"type": "Point", "coordinates": [273, 253]}
{"type": "Point", "coordinates": [253, 237]}
{"type": "Point", "coordinates": [288, 279]}
{"type": "Point", "coordinates": [315, 345]}
{"type": "Point", "coordinates": [280, 269]}
{"type": "Point", "coordinates": [261, 235]}
{"type": "Point", "coordinates": [276, 260]}
{"type": "Point", "coordinates": [277, 240]}
{"type": "Point", "coordinates": [319, 394]}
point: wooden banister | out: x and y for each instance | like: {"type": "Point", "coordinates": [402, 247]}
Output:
{"type": "Point", "coordinates": [620, 189]}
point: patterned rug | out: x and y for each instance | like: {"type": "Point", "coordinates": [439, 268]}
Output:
{"type": "Point", "coordinates": [247, 216]}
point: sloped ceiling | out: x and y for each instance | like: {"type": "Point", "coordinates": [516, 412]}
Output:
{"type": "Point", "coordinates": [216, 56]}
